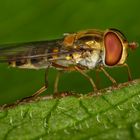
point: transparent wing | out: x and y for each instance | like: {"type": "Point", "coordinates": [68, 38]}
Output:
{"type": "Point", "coordinates": [15, 52]}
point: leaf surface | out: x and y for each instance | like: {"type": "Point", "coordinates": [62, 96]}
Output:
{"type": "Point", "coordinates": [112, 115]}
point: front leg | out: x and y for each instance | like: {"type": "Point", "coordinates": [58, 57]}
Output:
{"type": "Point", "coordinates": [128, 71]}
{"type": "Point", "coordinates": [109, 76]}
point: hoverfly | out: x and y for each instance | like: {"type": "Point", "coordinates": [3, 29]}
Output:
{"type": "Point", "coordinates": [81, 51]}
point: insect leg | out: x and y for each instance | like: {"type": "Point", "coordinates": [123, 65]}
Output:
{"type": "Point", "coordinates": [97, 78]}
{"type": "Point", "coordinates": [128, 71]}
{"type": "Point", "coordinates": [46, 77]}
{"type": "Point", "coordinates": [56, 82]}
{"type": "Point", "coordinates": [86, 76]}
{"type": "Point", "coordinates": [42, 89]}
{"type": "Point", "coordinates": [109, 77]}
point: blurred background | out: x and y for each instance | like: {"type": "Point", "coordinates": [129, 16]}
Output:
{"type": "Point", "coordinates": [33, 20]}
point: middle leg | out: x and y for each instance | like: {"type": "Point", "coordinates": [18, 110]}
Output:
{"type": "Point", "coordinates": [88, 77]}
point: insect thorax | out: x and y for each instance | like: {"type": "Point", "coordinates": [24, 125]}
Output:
{"type": "Point", "coordinates": [86, 59]}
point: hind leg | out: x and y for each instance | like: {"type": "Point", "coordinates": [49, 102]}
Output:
{"type": "Point", "coordinates": [56, 82]}
{"type": "Point", "coordinates": [38, 92]}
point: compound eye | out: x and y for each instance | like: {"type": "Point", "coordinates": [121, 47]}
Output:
{"type": "Point", "coordinates": [113, 49]}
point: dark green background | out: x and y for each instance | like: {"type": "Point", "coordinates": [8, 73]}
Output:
{"type": "Point", "coordinates": [32, 20]}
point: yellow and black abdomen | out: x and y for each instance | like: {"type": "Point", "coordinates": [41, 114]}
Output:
{"type": "Point", "coordinates": [29, 63]}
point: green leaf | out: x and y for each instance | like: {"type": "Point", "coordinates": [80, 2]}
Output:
{"type": "Point", "coordinates": [114, 114]}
